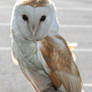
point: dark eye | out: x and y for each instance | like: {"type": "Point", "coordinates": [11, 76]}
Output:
{"type": "Point", "coordinates": [25, 18]}
{"type": "Point", "coordinates": [43, 18]}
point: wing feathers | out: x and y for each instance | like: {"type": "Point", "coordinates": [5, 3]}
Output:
{"type": "Point", "coordinates": [59, 59]}
{"type": "Point", "coordinates": [55, 79]}
{"type": "Point", "coordinates": [70, 82]}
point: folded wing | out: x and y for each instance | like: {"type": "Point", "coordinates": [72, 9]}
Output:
{"type": "Point", "coordinates": [63, 70]}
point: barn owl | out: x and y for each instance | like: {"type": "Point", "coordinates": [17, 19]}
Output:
{"type": "Point", "coordinates": [43, 55]}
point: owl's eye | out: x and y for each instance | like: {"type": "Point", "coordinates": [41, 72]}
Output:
{"type": "Point", "coordinates": [25, 18]}
{"type": "Point", "coordinates": [43, 18]}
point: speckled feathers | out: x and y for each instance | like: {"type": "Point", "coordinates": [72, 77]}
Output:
{"type": "Point", "coordinates": [35, 3]}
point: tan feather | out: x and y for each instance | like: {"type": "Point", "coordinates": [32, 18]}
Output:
{"type": "Point", "coordinates": [60, 62]}
{"type": "Point", "coordinates": [34, 3]}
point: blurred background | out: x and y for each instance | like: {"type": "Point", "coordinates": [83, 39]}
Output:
{"type": "Point", "coordinates": [75, 18]}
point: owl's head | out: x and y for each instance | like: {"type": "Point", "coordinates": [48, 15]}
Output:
{"type": "Point", "coordinates": [34, 19]}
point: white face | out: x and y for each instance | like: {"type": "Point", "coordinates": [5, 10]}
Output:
{"type": "Point", "coordinates": [34, 23]}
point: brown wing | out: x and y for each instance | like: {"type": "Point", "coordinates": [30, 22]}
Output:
{"type": "Point", "coordinates": [60, 62]}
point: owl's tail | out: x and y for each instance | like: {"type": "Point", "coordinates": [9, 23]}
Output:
{"type": "Point", "coordinates": [70, 83]}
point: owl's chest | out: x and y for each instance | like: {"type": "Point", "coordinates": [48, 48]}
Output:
{"type": "Point", "coordinates": [31, 56]}
{"type": "Point", "coordinates": [28, 55]}
{"type": "Point", "coordinates": [30, 62]}
{"type": "Point", "coordinates": [33, 61]}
